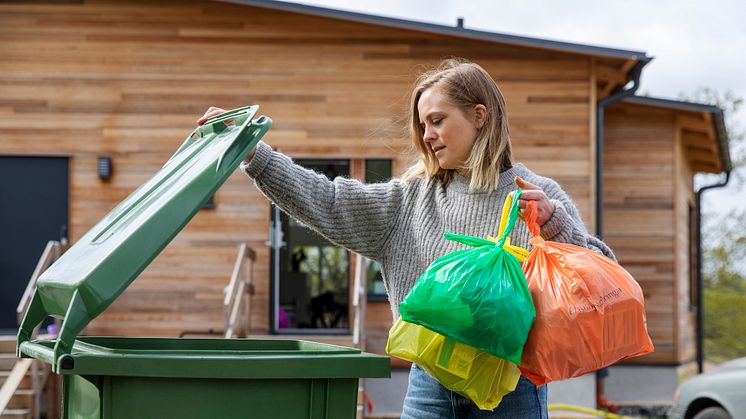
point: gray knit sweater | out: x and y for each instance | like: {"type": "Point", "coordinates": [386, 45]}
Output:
{"type": "Point", "coordinates": [401, 224]}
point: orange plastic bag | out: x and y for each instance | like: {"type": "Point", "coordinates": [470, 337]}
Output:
{"type": "Point", "coordinates": [590, 312]}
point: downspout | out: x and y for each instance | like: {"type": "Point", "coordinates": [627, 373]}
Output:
{"type": "Point", "coordinates": [700, 307]}
{"type": "Point", "coordinates": [619, 94]}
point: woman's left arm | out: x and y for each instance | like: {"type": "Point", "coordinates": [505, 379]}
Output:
{"type": "Point", "coordinates": [558, 216]}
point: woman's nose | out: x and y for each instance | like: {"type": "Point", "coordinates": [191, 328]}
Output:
{"type": "Point", "coordinates": [429, 134]}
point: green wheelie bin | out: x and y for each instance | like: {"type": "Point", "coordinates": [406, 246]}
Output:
{"type": "Point", "coordinates": [132, 377]}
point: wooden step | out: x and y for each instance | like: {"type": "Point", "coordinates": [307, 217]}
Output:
{"type": "Point", "coordinates": [22, 399]}
{"type": "Point", "coordinates": [16, 414]}
{"type": "Point", "coordinates": [25, 383]}
{"type": "Point", "coordinates": [8, 344]}
{"type": "Point", "coordinates": [7, 360]}
{"type": "Point", "coordinates": [9, 395]}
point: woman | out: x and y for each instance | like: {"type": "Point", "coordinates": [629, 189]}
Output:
{"type": "Point", "coordinates": [459, 125]}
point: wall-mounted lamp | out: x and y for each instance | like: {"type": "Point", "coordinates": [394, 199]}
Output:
{"type": "Point", "coordinates": [210, 204]}
{"type": "Point", "coordinates": [104, 167]}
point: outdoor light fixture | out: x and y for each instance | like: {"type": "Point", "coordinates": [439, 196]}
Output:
{"type": "Point", "coordinates": [210, 204]}
{"type": "Point", "coordinates": [104, 167]}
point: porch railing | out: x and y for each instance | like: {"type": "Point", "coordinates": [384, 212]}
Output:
{"type": "Point", "coordinates": [51, 253]}
{"type": "Point", "coordinates": [237, 295]}
{"type": "Point", "coordinates": [39, 371]}
{"type": "Point", "coordinates": [359, 298]}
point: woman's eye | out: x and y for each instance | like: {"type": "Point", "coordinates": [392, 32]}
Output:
{"type": "Point", "coordinates": [437, 121]}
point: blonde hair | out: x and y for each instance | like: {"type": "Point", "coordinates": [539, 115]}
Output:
{"type": "Point", "coordinates": [464, 85]}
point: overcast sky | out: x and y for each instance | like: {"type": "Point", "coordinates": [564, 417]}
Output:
{"type": "Point", "coordinates": [694, 43]}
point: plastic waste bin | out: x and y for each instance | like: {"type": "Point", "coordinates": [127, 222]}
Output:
{"type": "Point", "coordinates": [129, 377]}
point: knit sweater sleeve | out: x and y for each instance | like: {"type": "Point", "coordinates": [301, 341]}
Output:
{"type": "Point", "coordinates": [349, 213]}
{"type": "Point", "coordinates": [565, 225]}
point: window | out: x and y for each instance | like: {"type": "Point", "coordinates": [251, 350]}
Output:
{"type": "Point", "coordinates": [210, 203]}
{"type": "Point", "coordinates": [310, 274]}
{"type": "Point", "coordinates": [376, 170]}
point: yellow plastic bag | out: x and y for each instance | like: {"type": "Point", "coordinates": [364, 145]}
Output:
{"type": "Point", "coordinates": [485, 379]}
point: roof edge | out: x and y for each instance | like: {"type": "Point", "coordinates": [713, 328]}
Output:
{"type": "Point", "coordinates": [718, 120]}
{"type": "Point", "coordinates": [671, 103]}
{"type": "Point", "coordinates": [448, 30]}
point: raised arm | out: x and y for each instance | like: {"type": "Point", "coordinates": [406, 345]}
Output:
{"type": "Point", "coordinates": [349, 213]}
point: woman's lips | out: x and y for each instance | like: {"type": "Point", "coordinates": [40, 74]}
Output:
{"type": "Point", "coordinates": [437, 149]}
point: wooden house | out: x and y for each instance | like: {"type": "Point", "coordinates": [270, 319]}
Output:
{"type": "Point", "coordinates": [653, 149]}
{"type": "Point", "coordinates": [96, 95]}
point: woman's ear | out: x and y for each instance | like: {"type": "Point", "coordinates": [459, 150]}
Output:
{"type": "Point", "coordinates": [480, 115]}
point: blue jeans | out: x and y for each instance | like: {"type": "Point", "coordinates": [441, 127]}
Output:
{"type": "Point", "coordinates": [427, 399]}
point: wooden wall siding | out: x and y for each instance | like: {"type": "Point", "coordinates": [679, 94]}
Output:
{"type": "Point", "coordinates": [128, 79]}
{"type": "Point", "coordinates": [378, 321]}
{"type": "Point", "coordinates": [639, 170]}
{"type": "Point", "coordinates": [685, 316]}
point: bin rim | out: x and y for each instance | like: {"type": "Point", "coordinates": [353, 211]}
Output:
{"type": "Point", "coordinates": [208, 358]}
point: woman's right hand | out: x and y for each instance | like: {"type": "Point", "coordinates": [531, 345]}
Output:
{"type": "Point", "coordinates": [213, 111]}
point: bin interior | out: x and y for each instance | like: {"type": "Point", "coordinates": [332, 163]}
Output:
{"type": "Point", "coordinates": [209, 358]}
{"type": "Point", "coordinates": [110, 345]}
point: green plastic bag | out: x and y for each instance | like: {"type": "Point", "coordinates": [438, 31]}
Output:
{"type": "Point", "coordinates": [476, 296]}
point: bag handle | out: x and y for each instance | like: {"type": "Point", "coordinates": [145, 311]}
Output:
{"type": "Point", "coordinates": [530, 217]}
{"type": "Point", "coordinates": [504, 213]}
{"type": "Point", "coordinates": [507, 227]}
{"type": "Point", "coordinates": [468, 240]}
{"type": "Point", "coordinates": [520, 253]}
{"type": "Point", "coordinates": [577, 284]}
{"type": "Point", "coordinates": [512, 216]}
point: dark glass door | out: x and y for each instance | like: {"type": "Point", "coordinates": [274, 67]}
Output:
{"type": "Point", "coordinates": [33, 210]}
{"type": "Point", "coordinates": [311, 276]}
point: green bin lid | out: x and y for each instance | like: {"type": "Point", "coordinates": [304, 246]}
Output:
{"type": "Point", "coordinates": [89, 276]}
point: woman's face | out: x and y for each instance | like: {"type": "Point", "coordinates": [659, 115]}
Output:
{"type": "Point", "coordinates": [448, 131]}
